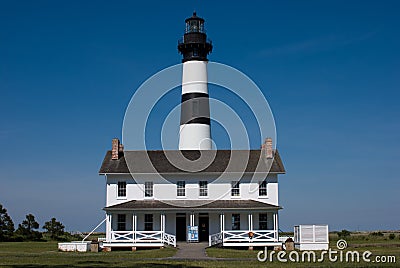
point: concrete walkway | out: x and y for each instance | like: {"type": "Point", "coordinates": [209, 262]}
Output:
{"type": "Point", "coordinates": [193, 251]}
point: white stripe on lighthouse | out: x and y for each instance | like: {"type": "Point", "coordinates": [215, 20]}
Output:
{"type": "Point", "coordinates": [194, 77]}
{"type": "Point", "coordinates": [195, 137]}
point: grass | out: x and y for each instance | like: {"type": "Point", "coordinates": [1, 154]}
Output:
{"type": "Point", "coordinates": [46, 254]}
{"type": "Point", "coordinates": [42, 254]}
{"type": "Point", "coordinates": [379, 246]}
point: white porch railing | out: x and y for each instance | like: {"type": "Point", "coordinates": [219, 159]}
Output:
{"type": "Point", "coordinates": [215, 239]}
{"type": "Point", "coordinates": [169, 239]}
{"type": "Point", "coordinates": [243, 236]}
{"type": "Point", "coordinates": [148, 236]}
{"type": "Point", "coordinates": [239, 236]}
{"type": "Point", "coordinates": [122, 236]}
{"type": "Point", "coordinates": [143, 237]}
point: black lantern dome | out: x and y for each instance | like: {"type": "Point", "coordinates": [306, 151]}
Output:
{"type": "Point", "coordinates": [194, 45]}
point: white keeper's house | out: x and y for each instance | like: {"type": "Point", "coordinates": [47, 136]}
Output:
{"type": "Point", "coordinates": [225, 197]}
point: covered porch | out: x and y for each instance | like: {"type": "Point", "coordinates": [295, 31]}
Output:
{"type": "Point", "coordinates": [261, 230]}
{"type": "Point", "coordinates": [152, 223]}
{"type": "Point", "coordinates": [123, 229]}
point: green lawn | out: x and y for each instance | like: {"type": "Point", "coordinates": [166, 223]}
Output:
{"type": "Point", "coordinates": [379, 246]}
{"type": "Point", "coordinates": [35, 254]}
{"type": "Point", "coordinates": [46, 254]}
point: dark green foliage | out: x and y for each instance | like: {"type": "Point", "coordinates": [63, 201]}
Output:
{"type": "Point", "coordinates": [6, 225]}
{"type": "Point", "coordinates": [376, 234]}
{"type": "Point", "coordinates": [26, 230]}
{"type": "Point", "coordinates": [54, 228]}
{"type": "Point", "coordinates": [344, 233]}
{"type": "Point", "coordinates": [391, 236]}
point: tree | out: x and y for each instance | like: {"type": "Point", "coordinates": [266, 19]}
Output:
{"type": "Point", "coordinates": [27, 228]}
{"type": "Point", "coordinates": [6, 225]}
{"type": "Point", "coordinates": [344, 234]}
{"type": "Point", "coordinates": [54, 228]}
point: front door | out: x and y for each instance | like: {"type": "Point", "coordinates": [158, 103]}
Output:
{"type": "Point", "coordinates": [180, 227]}
{"type": "Point", "coordinates": [203, 227]}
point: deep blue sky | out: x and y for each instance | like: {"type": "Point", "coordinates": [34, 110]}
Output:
{"type": "Point", "coordinates": [329, 69]}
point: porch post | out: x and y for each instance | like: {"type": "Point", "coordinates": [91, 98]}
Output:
{"type": "Point", "coordinates": [222, 221]}
{"type": "Point", "coordinates": [250, 222]}
{"type": "Point", "coordinates": [250, 229]}
{"type": "Point", "coordinates": [162, 226]}
{"type": "Point", "coordinates": [134, 226]}
{"type": "Point", "coordinates": [191, 219]}
{"type": "Point", "coordinates": [108, 227]}
{"type": "Point", "coordinates": [275, 225]}
{"type": "Point", "coordinates": [163, 222]}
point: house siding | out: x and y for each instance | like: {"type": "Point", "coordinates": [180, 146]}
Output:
{"type": "Point", "coordinates": [165, 189]}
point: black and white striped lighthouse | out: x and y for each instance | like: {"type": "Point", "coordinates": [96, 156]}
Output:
{"type": "Point", "coordinates": [195, 131]}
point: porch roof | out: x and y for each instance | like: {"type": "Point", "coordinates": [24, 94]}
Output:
{"type": "Point", "coordinates": [179, 205]}
{"type": "Point", "coordinates": [207, 161]}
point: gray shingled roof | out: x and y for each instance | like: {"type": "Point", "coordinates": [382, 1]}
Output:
{"type": "Point", "coordinates": [210, 161]}
{"type": "Point", "coordinates": [192, 204]}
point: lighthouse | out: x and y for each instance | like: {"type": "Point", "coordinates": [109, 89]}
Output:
{"type": "Point", "coordinates": [195, 131]}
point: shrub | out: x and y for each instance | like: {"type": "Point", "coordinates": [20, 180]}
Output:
{"type": "Point", "coordinates": [376, 234]}
{"type": "Point", "coordinates": [344, 233]}
{"type": "Point", "coordinates": [391, 236]}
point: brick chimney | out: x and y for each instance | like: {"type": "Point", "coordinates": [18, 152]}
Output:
{"type": "Point", "coordinates": [267, 148]}
{"type": "Point", "coordinates": [116, 149]}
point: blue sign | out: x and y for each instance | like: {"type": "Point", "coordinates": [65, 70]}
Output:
{"type": "Point", "coordinates": [193, 234]}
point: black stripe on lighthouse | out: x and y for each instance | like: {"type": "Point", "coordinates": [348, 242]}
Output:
{"type": "Point", "coordinates": [195, 108]}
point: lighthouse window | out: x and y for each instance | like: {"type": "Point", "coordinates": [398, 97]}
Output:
{"type": "Point", "coordinates": [180, 191]}
{"type": "Point", "coordinates": [195, 52]}
{"type": "Point", "coordinates": [195, 108]}
{"type": "Point", "coordinates": [194, 26]}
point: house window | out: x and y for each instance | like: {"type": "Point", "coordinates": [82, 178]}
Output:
{"type": "Point", "coordinates": [122, 189]}
{"type": "Point", "coordinates": [262, 189]}
{"type": "Point", "coordinates": [180, 188]}
{"type": "Point", "coordinates": [262, 221]}
{"type": "Point", "coordinates": [203, 188]}
{"type": "Point", "coordinates": [148, 222]}
{"type": "Point", "coordinates": [235, 221]}
{"type": "Point", "coordinates": [195, 108]}
{"type": "Point", "coordinates": [235, 190]}
{"type": "Point", "coordinates": [121, 222]}
{"type": "Point", "coordinates": [148, 189]}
